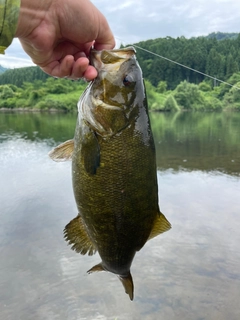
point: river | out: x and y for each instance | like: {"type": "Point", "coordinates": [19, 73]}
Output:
{"type": "Point", "coordinates": [189, 273]}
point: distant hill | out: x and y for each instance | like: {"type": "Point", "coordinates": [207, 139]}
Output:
{"type": "Point", "coordinates": [20, 75]}
{"type": "Point", "coordinates": [222, 35]}
{"type": "Point", "coordinates": [216, 58]}
{"type": "Point", "coordinates": [2, 69]}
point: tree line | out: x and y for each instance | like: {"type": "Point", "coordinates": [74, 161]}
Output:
{"type": "Point", "coordinates": [169, 86]}
{"type": "Point", "coordinates": [18, 76]}
{"type": "Point", "coordinates": [218, 59]}
{"type": "Point", "coordinates": [63, 94]}
{"type": "Point", "coordinates": [58, 94]}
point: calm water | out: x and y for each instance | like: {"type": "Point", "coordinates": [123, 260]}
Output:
{"type": "Point", "coordinates": [191, 272]}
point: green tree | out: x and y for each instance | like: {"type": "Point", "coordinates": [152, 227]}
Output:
{"type": "Point", "coordinates": [188, 96]}
{"type": "Point", "coordinates": [162, 86]}
{"type": "Point", "coordinates": [170, 104]}
{"type": "Point", "coordinates": [6, 92]}
{"type": "Point", "coordinates": [231, 66]}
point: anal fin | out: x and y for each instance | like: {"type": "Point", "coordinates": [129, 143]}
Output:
{"type": "Point", "coordinates": [76, 235]}
{"type": "Point", "coordinates": [161, 225]}
{"type": "Point", "coordinates": [96, 268]}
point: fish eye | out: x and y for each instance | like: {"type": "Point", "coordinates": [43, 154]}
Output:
{"type": "Point", "coordinates": [127, 81]}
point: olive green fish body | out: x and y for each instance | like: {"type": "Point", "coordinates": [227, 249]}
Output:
{"type": "Point", "coordinates": [113, 167]}
{"type": "Point", "coordinates": [119, 202]}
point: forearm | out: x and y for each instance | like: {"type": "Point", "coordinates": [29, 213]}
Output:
{"type": "Point", "coordinates": [9, 13]}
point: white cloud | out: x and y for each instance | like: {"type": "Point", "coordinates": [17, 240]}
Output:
{"type": "Point", "coordinates": [15, 62]}
{"type": "Point", "coordinates": [15, 57]}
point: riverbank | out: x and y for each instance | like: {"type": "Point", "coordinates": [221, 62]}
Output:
{"type": "Point", "coordinates": [34, 110]}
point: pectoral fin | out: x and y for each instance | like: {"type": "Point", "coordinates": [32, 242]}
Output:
{"type": "Point", "coordinates": [161, 225]}
{"type": "Point", "coordinates": [91, 152]}
{"type": "Point", "coordinates": [76, 235]}
{"type": "Point", "coordinates": [62, 152]}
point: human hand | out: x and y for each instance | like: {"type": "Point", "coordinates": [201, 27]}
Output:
{"type": "Point", "coordinates": [58, 35]}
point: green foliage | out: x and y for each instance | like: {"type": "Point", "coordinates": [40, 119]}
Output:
{"type": "Point", "coordinates": [188, 96]}
{"type": "Point", "coordinates": [232, 98]}
{"type": "Point", "coordinates": [6, 92]}
{"type": "Point", "coordinates": [155, 99]}
{"type": "Point", "coordinates": [225, 87]}
{"type": "Point", "coordinates": [162, 86]}
{"type": "Point", "coordinates": [61, 94]}
{"type": "Point", "coordinates": [49, 104]}
{"type": "Point", "coordinates": [21, 75]}
{"type": "Point", "coordinates": [170, 104]}
{"type": "Point", "coordinates": [213, 104]}
{"type": "Point", "coordinates": [204, 86]}
{"type": "Point", "coordinates": [219, 59]}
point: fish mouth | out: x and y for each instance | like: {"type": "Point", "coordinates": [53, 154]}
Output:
{"type": "Point", "coordinates": [98, 58]}
{"type": "Point", "coordinates": [99, 102]}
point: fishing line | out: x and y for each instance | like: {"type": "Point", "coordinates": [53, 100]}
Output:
{"type": "Point", "coordinates": [182, 65]}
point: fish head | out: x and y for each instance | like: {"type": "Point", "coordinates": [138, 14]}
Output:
{"type": "Point", "coordinates": [116, 94]}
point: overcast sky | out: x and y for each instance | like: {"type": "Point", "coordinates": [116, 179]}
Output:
{"type": "Point", "coordinates": [135, 20]}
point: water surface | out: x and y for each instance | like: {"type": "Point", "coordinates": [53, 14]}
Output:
{"type": "Point", "coordinates": [190, 272]}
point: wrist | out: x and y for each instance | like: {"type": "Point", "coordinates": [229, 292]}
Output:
{"type": "Point", "coordinates": [30, 16]}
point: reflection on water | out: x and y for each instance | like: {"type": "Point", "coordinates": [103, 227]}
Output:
{"type": "Point", "coordinates": [191, 272]}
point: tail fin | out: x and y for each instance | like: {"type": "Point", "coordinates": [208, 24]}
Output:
{"type": "Point", "coordinates": [128, 284]}
{"type": "Point", "coordinates": [126, 281]}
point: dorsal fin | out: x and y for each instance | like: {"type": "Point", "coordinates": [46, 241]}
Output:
{"type": "Point", "coordinates": [62, 152]}
{"type": "Point", "coordinates": [76, 235]}
{"type": "Point", "coordinates": [161, 225]}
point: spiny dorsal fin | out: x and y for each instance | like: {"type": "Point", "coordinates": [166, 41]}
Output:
{"type": "Point", "coordinates": [62, 152]}
{"type": "Point", "coordinates": [161, 225]}
{"type": "Point", "coordinates": [128, 284]}
{"type": "Point", "coordinates": [76, 235]}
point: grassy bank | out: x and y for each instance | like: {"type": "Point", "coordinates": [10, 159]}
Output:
{"type": "Point", "coordinates": [63, 95]}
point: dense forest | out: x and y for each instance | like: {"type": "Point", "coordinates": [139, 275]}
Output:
{"type": "Point", "coordinates": [218, 59]}
{"type": "Point", "coordinates": [169, 86]}
{"type": "Point", "coordinates": [20, 75]}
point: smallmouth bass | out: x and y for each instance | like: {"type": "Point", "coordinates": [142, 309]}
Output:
{"type": "Point", "coordinates": [113, 167]}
